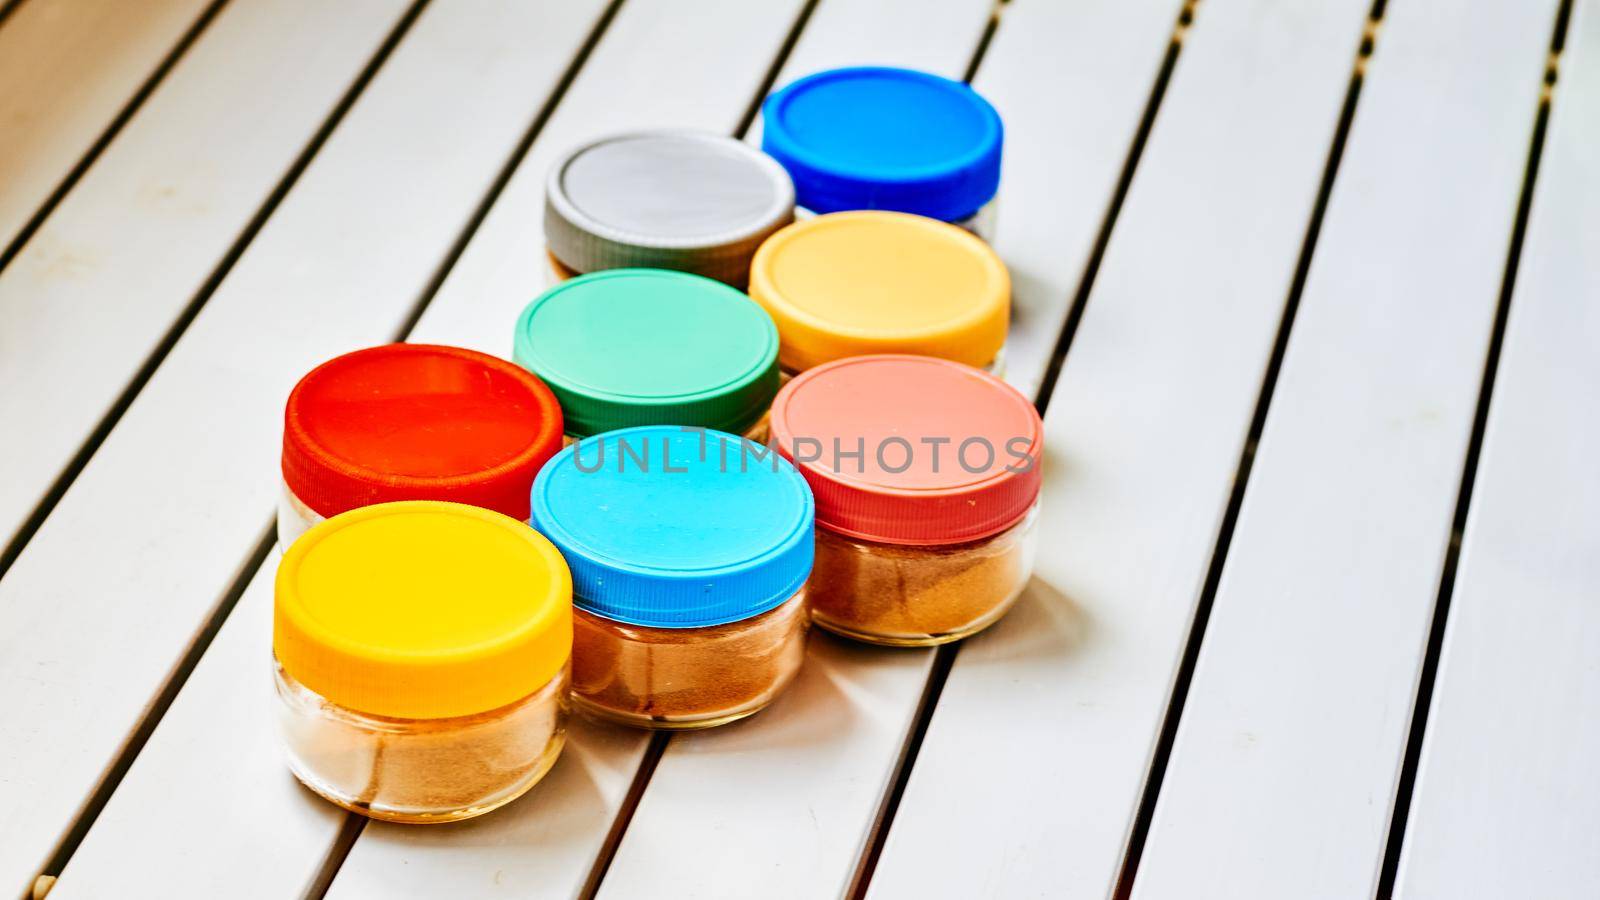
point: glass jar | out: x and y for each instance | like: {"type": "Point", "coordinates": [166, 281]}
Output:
{"type": "Point", "coordinates": [739, 667]}
{"type": "Point", "coordinates": [859, 283]}
{"type": "Point", "coordinates": [557, 272]}
{"type": "Point", "coordinates": [926, 475]}
{"type": "Point", "coordinates": [893, 139]}
{"type": "Point", "coordinates": [422, 659]}
{"type": "Point", "coordinates": [413, 422]}
{"type": "Point", "coordinates": [629, 347]}
{"type": "Point", "coordinates": [687, 200]}
{"type": "Point", "coordinates": [689, 552]}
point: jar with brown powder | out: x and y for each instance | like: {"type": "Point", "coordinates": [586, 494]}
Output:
{"type": "Point", "coordinates": [689, 551]}
{"type": "Point", "coordinates": [926, 475]}
{"type": "Point", "coordinates": [421, 656]}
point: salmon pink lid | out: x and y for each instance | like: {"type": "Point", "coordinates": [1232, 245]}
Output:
{"type": "Point", "coordinates": [911, 449]}
{"type": "Point", "coordinates": [418, 422]}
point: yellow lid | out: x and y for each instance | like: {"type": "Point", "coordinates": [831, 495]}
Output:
{"type": "Point", "coordinates": [422, 610]}
{"type": "Point", "coordinates": [859, 283]}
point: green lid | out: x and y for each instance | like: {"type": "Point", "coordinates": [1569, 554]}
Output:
{"type": "Point", "coordinates": [627, 347]}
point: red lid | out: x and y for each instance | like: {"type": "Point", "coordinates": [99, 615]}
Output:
{"type": "Point", "coordinates": [418, 422]}
{"type": "Point", "coordinates": [948, 453]}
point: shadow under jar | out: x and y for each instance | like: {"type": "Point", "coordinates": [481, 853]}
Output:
{"type": "Point", "coordinates": [859, 283]}
{"type": "Point", "coordinates": [629, 347]}
{"type": "Point", "coordinates": [926, 475]}
{"type": "Point", "coordinates": [872, 137]}
{"type": "Point", "coordinates": [691, 201]}
{"type": "Point", "coordinates": [413, 422]}
{"type": "Point", "coordinates": [689, 552]}
{"type": "Point", "coordinates": [422, 654]}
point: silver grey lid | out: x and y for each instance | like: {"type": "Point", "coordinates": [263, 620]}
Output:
{"type": "Point", "coordinates": [686, 200]}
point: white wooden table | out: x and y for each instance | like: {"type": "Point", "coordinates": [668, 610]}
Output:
{"type": "Point", "coordinates": [1310, 293]}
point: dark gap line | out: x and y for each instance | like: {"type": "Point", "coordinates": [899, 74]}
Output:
{"type": "Point", "coordinates": [984, 40]}
{"type": "Point", "coordinates": [508, 169]}
{"type": "Point", "coordinates": [75, 174]}
{"type": "Point", "coordinates": [349, 832]}
{"type": "Point", "coordinates": [659, 740]}
{"type": "Point", "coordinates": [630, 804]}
{"type": "Point", "coordinates": [1219, 554]}
{"type": "Point", "coordinates": [141, 377]}
{"type": "Point", "coordinates": [1401, 814]}
{"type": "Point", "coordinates": [9, 7]}
{"type": "Point", "coordinates": [122, 761]}
{"type": "Point", "coordinates": [1080, 300]}
{"type": "Point", "coordinates": [945, 656]}
{"type": "Point", "coordinates": [773, 71]}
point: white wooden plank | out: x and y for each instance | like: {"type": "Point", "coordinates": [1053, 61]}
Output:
{"type": "Point", "coordinates": [1072, 80]}
{"type": "Point", "coordinates": [547, 842]}
{"type": "Point", "coordinates": [1506, 802]}
{"type": "Point", "coordinates": [1283, 773]}
{"type": "Point", "coordinates": [787, 800]}
{"type": "Point", "coordinates": [112, 588]}
{"type": "Point", "coordinates": [94, 289]}
{"type": "Point", "coordinates": [67, 68]}
{"type": "Point", "coordinates": [209, 809]}
{"type": "Point", "coordinates": [1029, 776]}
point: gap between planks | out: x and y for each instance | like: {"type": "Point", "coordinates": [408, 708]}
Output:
{"type": "Point", "coordinates": [9, 7]}
{"type": "Point", "coordinates": [1423, 702]}
{"type": "Point", "coordinates": [1230, 518]}
{"type": "Point", "coordinates": [945, 655]}
{"type": "Point", "coordinates": [121, 119]}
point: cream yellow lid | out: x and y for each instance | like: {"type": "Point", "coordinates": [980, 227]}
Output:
{"type": "Point", "coordinates": [858, 283]}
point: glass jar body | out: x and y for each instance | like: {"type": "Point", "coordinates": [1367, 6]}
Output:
{"type": "Point", "coordinates": [556, 271]}
{"type": "Point", "coordinates": [685, 678]}
{"type": "Point", "coordinates": [980, 223]}
{"type": "Point", "coordinates": [421, 770]}
{"type": "Point", "coordinates": [294, 517]}
{"type": "Point", "coordinates": [917, 596]}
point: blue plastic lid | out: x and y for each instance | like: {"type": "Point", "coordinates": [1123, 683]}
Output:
{"type": "Point", "coordinates": [672, 527]}
{"type": "Point", "coordinates": [880, 138]}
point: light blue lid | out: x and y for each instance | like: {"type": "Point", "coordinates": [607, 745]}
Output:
{"type": "Point", "coordinates": [670, 527]}
{"type": "Point", "coordinates": [881, 138]}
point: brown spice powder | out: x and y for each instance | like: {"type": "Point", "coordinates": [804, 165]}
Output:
{"type": "Point", "coordinates": [422, 770]}
{"type": "Point", "coordinates": [905, 595]}
{"type": "Point", "coordinates": [686, 677]}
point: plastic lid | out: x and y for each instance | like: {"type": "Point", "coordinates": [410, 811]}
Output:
{"type": "Point", "coordinates": [948, 453]}
{"type": "Point", "coordinates": [422, 610]}
{"type": "Point", "coordinates": [650, 347]}
{"type": "Point", "coordinates": [857, 283]}
{"type": "Point", "coordinates": [417, 422]}
{"type": "Point", "coordinates": [676, 528]}
{"type": "Point", "coordinates": [877, 138]}
{"type": "Point", "coordinates": [687, 200]}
